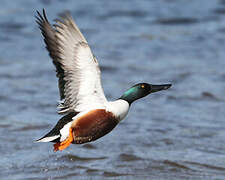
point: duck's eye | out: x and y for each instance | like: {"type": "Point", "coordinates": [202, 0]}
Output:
{"type": "Point", "coordinates": [142, 86]}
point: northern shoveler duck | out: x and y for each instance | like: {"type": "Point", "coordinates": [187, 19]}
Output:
{"type": "Point", "coordinates": [88, 114]}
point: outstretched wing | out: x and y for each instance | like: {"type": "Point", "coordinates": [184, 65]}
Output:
{"type": "Point", "coordinates": [77, 69]}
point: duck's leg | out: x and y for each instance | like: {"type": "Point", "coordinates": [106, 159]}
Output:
{"type": "Point", "coordinates": [62, 145]}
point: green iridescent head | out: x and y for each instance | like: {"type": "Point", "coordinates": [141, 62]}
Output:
{"type": "Point", "coordinates": [141, 90]}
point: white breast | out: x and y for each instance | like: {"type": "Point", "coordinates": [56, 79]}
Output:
{"type": "Point", "coordinates": [119, 108]}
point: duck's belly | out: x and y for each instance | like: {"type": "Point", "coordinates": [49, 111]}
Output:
{"type": "Point", "coordinates": [93, 125]}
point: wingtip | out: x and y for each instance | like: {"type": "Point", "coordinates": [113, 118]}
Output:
{"type": "Point", "coordinates": [37, 141]}
{"type": "Point", "coordinates": [47, 139]}
{"type": "Point", "coordinates": [41, 17]}
{"type": "Point", "coordinates": [43, 10]}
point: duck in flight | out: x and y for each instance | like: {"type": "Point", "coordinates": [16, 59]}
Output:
{"type": "Point", "coordinates": [87, 113]}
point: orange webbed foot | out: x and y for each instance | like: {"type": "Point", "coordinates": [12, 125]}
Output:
{"type": "Point", "coordinates": [64, 144]}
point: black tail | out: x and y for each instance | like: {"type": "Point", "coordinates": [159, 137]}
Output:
{"type": "Point", "coordinates": [54, 135]}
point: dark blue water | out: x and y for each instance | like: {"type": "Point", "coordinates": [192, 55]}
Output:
{"type": "Point", "coordinates": [174, 134]}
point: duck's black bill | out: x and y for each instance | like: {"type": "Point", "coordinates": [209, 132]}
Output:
{"type": "Point", "coordinates": [155, 88]}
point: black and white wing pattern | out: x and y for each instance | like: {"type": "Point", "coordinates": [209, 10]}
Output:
{"type": "Point", "coordinates": [77, 69]}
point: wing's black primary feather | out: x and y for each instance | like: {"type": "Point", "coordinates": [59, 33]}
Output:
{"type": "Point", "coordinates": [50, 40]}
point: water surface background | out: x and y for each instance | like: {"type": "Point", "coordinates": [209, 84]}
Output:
{"type": "Point", "coordinates": [174, 134]}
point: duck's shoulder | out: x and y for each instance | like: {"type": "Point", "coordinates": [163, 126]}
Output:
{"type": "Point", "coordinates": [118, 108]}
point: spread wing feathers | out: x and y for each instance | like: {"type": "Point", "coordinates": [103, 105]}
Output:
{"type": "Point", "coordinates": [49, 35]}
{"type": "Point", "coordinates": [77, 69]}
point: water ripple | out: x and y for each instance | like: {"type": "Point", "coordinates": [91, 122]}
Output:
{"type": "Point", "coordinates": [70, 158]}
{"type": "Point", "coordinates": [176, 21]}
{"type": "Point", "coordinates": [129, 157]}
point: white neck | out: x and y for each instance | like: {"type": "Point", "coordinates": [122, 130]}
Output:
{"type": "Point", "coordinates": [119, 108]}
